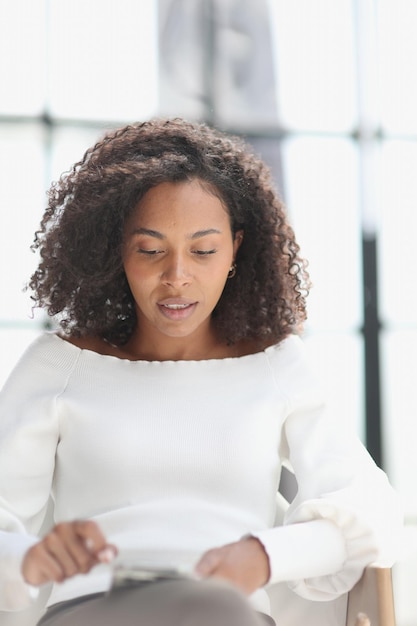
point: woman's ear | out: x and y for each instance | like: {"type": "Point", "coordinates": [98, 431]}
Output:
{"type": "Point", "coordinates": [238, 238]}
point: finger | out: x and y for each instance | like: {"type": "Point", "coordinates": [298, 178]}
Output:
{"type": "Point", "coordinates": [90, 533]}
{"type": "Point", "coordinates": [91, 543]}
{"type": "Point", "coordinates": [86, 546]}
{"type": "Point", "coordinates": [107, 554]}
{"type": "Point", "coordinates": [209, 562]}
{"type": "Point", "coordinates": [67, 549]}
{"type": "Point", "coordinates": [40, 567]}
{"type": "Point", "coordinates": [50, 569]}
{"type": "Point", "coordinates": [95, 542]}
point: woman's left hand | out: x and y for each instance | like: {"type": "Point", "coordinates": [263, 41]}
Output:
{"type": "Point", "coordinates": [244, 563]}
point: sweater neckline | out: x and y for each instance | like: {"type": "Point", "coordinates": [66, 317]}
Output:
{"type": "Point", "coordinates": [93, 354]}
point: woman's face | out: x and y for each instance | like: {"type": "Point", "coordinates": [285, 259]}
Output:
{"type": "Point", "coordinates": [177, 251]}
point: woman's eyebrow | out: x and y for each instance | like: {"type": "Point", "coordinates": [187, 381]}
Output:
{"type": "Point", "coordinates": [203, 233]}
{"type": "Point", "coordinates": [149, 232]}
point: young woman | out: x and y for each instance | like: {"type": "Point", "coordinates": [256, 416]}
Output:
{"type": "Point", "coordinates": [159, 416]}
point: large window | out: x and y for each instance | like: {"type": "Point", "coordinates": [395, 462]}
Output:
{"type": "Point", "coordinates": [67, 72]}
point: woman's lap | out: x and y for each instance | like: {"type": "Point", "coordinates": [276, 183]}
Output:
{"type": "Point", "coordinates": [164, 603]}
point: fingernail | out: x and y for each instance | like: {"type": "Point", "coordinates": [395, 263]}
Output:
{"type": "Point", "coordinates": [89, 544]}
{"type": "Point", "coordinates": [200, 570]}
{"type": "Point", "coordinates": [107, 555]}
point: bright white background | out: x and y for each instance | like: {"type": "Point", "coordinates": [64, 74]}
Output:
{"type": "Point", "coordinates": [347, 100]}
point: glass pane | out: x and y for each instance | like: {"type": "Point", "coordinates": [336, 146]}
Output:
{"type": "Point", "coordinates": [321, 185]}
{"type": "Point", "coordinates": [103, 59]}
{"type": "Point", "coordinates": [315, 64]}
{"type": "Point", "coordinates": [338, 360]}
{"type": "Point", "coordinates": [22, 195]}
{"type": "Point", "coordinates": [400, 408]}
{"type": "Point", "coordinates": [397, 63]}
{"type": "Point", "coordinates": [22, 56]}
{"type": "Point", "coordinates": [398, 232]}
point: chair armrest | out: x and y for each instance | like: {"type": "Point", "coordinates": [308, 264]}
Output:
{"type": "Point", "coordinates": [372, 598]}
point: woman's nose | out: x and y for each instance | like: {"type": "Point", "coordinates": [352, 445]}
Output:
{"type": "Point", "coordinates": [176, 271]}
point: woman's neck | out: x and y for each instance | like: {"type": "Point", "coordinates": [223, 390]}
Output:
{"type": "Point", "coordinates": [134, 350]}
{"type": "Point", "coordinates": [197, 347]}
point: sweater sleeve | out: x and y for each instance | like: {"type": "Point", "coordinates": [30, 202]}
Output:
{"type": "Point", "coordinates": [29, 433]}
{"type": "Point", "coordinates": [345, 515]}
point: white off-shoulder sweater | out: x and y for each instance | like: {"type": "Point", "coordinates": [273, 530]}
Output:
{"type": "Point", "coordinates": [181, 456]}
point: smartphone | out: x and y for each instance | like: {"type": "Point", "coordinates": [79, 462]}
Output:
{"type": "Point", "coordinates": [132, 575]}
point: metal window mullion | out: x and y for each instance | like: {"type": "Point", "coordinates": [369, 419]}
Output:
{"type": "Point", "coordinates": [368, 136]}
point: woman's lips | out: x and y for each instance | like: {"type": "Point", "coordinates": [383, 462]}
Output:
{"type": "Point", "coordinates": [177, 308]}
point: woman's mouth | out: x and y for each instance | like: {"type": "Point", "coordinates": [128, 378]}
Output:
{"type": "Point", "coordinates": [176, 307]}
{"type": "Point", "coordinates": [177, 310]}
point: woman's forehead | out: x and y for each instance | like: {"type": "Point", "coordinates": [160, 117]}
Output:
{"type": "Point", "coordinates": [187, 203]}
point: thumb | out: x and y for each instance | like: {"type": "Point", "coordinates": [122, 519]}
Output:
{"type": "Point", "coordinates": [208, 562]}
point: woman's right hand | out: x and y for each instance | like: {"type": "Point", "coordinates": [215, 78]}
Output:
{"type": "Point", "coordinates": [70, 548]}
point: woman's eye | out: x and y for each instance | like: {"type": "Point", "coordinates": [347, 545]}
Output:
{"type": "Point", "coordinates": [205, 252]}
{"type": "Point", "coordinates": [150, 252]}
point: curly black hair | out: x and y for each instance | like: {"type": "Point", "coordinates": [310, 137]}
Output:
{"type": "Point", "coordinates": [80, 278]}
